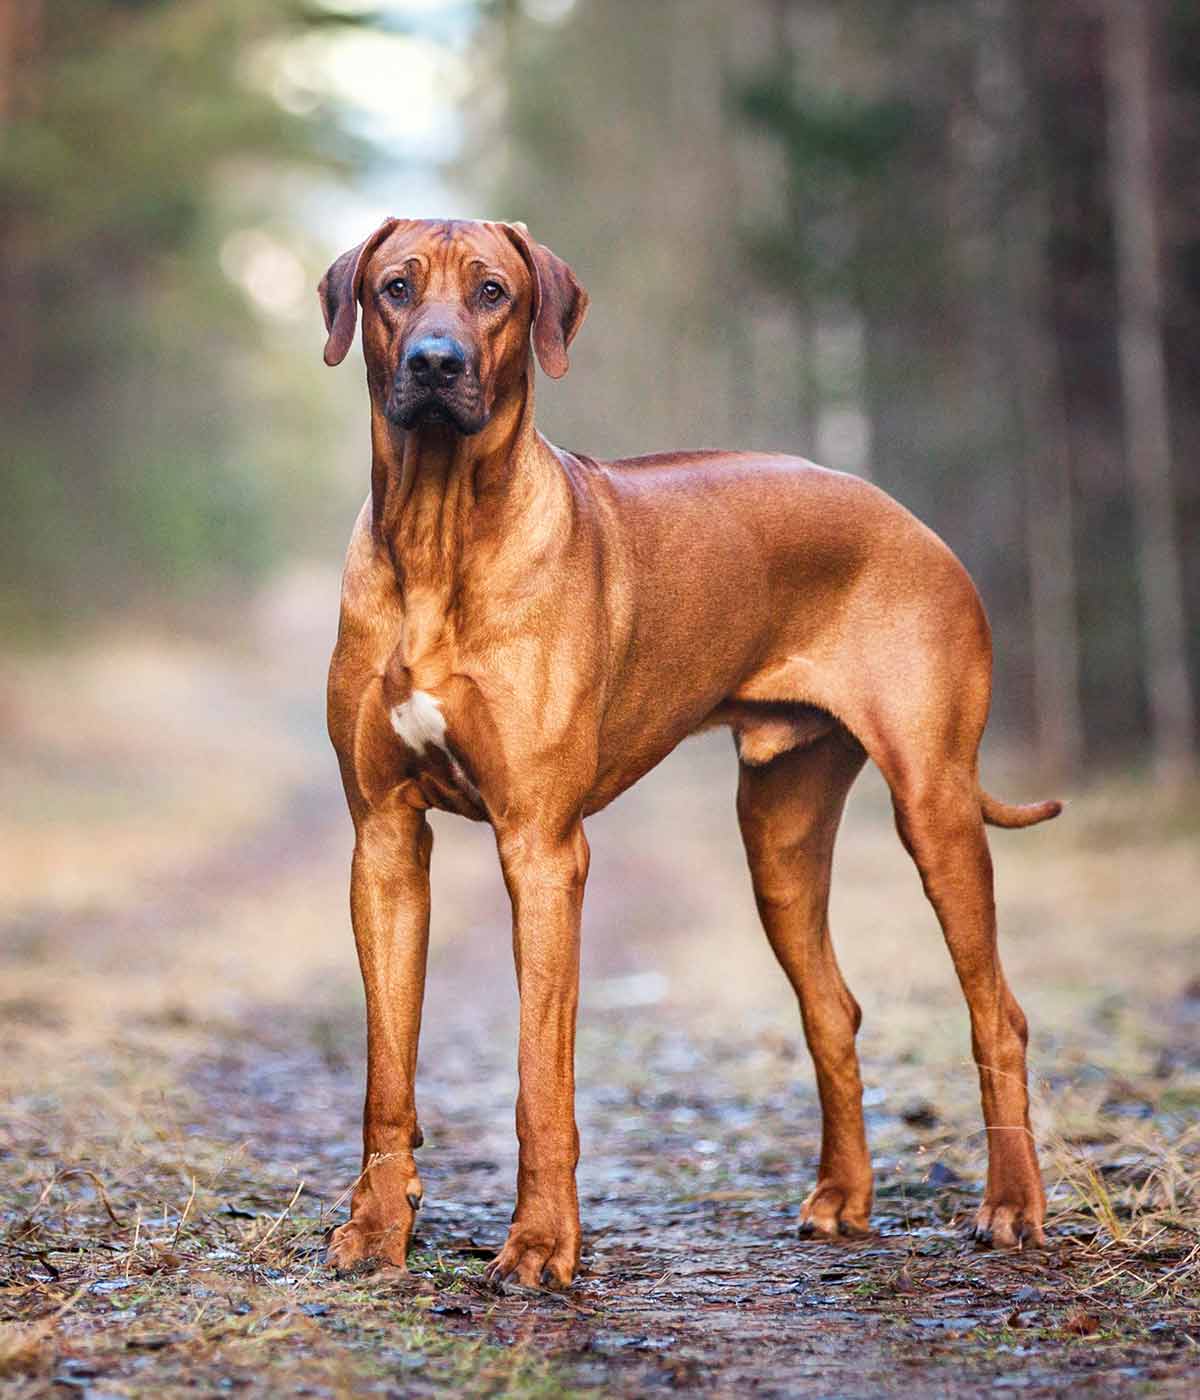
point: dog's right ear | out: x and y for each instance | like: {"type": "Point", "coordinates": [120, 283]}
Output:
{"type": "Point", "coordinates": [341, 289]}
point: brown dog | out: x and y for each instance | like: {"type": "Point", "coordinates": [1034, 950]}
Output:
{"type": "Point", "coordinates": [525, 632]}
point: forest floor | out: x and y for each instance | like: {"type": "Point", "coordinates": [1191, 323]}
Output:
{"type": "Point", "coordinates": [181, 1067]}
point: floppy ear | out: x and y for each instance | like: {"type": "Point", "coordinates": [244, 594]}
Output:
{"type": "Point", "coordinates": [340, 290]}
{"type": "Point", "coordinates": [559, 302]}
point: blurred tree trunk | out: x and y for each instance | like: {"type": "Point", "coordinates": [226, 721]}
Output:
{"type": "Point", "coordinates": [1049, 511]}
{"type": "Point", "coordinates": [807, 407]}
{"type": "Point", "coordinates": [20, 36]}
{"type": "Point", "coordinates": [1130, 27]}
{"type": "Point", "coordinates": [20, 42]}
{"type": "Point", "coordinates": [1033, 358]}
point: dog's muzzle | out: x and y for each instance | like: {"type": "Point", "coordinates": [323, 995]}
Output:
{"type": "Point", "coordinates": [436, 384]}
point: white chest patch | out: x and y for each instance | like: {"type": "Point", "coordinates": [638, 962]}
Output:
{"type": "Point", "coordinates": [419, 721]}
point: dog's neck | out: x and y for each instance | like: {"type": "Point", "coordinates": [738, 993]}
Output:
{"type": "Point", "coordinates": [438, 497]}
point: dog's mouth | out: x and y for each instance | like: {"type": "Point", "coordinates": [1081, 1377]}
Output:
{"type": "Point", "coordinates": [409, 409]}
{"type": "Point", "coordinates": [430, 413]}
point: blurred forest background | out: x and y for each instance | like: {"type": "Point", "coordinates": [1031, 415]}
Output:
{"type": "Point", "coordinates": [950, 244]}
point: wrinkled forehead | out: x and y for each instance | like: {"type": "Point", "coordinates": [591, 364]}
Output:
{"type": "Point", "coordinates": [448, 248]}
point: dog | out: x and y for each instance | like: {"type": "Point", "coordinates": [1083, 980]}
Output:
{"type": "Point", "coordinates": [525, 632]}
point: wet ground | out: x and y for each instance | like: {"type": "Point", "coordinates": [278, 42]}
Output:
{"type": "Point", "coordinates": [182, 1061]}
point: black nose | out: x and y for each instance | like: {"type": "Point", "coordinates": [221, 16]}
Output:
{"type": "Point", "coordinates": [436, 361]}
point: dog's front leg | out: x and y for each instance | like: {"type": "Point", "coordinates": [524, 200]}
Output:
{"type": "Point", "coordinates": [545, 876]}
{"type": "Point", "coordinates": [389, 907]}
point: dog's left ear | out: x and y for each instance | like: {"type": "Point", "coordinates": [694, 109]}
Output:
{"type": "Point", "coordinates": [341, 289]}
{"type": "Point", "coordinates": [559, 302]}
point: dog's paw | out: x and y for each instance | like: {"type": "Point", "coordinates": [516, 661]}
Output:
{"type": "Point", "coordinates": [349, 1250]}
{"type": "Point", "coordinates": [537, 1257]}
{"type": "Point", "coordinates": [1009, 1226]}
{"type": "Point", "coordinates": [379, 1228]}
{"type": "Point", "coordinates": [833, 1212]}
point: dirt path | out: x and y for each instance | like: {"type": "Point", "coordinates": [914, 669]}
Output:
{"type": "Point", "coordinates": [693, 1276]}
{"type": "Point", "coordinates": [182, 1070]}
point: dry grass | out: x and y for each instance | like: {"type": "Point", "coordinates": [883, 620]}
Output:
{"type": "Point", "coordinates": [149, 1244]}
{"type": "Point", "coordinates": [24, 1348]}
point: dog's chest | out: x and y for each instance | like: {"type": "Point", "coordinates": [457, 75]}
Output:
{"type": "Point", "coordinates": [419, 722]}
{"type": "Point", "coordinates": [424, 710]}
{"type": "Point", "coordinates": [438, 772]}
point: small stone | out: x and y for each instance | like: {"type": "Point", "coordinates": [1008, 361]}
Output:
{"type": "Point", "coordinates": [920, 1114]}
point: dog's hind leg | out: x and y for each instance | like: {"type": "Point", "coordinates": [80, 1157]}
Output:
{"type": "Point", "coordinates": [919, 708]}
{"type": "Point", "coordinates": [789, 810]}
{"type": "Point", "coordinates": [941, 825]}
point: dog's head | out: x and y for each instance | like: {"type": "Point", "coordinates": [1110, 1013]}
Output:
{"type": "Point", "coordinates": [449, 310]}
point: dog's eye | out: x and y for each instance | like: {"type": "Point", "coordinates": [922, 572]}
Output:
{"type": "Point", "coordinates": [397, 289]}
{"type": "Point", "coordinates": [491, 292]}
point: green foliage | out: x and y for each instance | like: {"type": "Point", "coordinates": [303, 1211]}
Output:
{"type": "Point", "coordinates": [134, 139]}
{"type": "Point", "coordinates": [836, 146]}
{"type": "Point", "coordinates": [825, 133]}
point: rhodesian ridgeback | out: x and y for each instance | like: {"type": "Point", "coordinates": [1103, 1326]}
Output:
{"type": "Point", "coordinates": [525, 632]}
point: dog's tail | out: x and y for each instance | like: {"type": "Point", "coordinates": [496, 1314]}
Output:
{"type": "Point", "coordinates": [1015, 814]}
